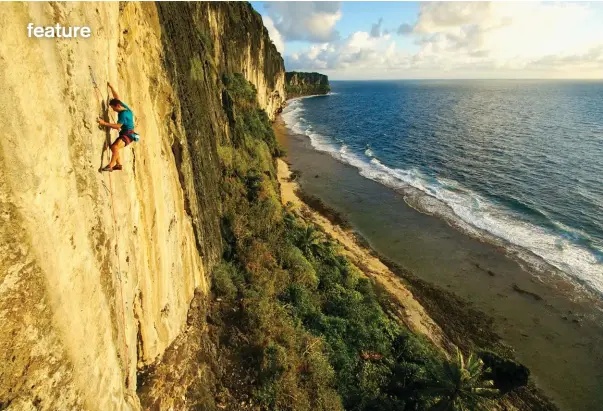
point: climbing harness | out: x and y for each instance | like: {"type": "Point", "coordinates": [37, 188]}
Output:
{"type": "Point", "coordinates": [123, 319]}
{"type": "Point", "coordinates": [131, 135]}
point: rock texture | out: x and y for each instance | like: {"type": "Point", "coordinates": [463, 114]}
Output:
{"type": "Point", "coordinates": [306, 84]}
{"type": "Point", "coordinates": [97, 271]}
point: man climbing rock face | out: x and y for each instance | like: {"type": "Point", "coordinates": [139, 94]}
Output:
{"type": "Point", "coordinates": [125, 125]}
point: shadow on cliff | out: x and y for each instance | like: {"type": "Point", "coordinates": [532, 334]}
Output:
{"type": "Point", "coordinates": [105, 150]}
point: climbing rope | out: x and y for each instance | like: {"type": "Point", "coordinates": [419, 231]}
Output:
{"type": "Point", "coordinates": [123, 319]}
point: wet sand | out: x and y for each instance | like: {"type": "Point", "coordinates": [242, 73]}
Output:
{"type": "Point", "coordinates": [559, 338]}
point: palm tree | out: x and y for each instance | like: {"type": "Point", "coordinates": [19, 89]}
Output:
{"type": "Point", "coordinates": [460, 385]}
{"type": "Point", "coordinates": [325, 250]}
{"type": "Point", "coordinates": [310, 241]}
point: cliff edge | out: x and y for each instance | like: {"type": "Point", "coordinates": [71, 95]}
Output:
{"type": "Point", "coordinates": [306, 84]}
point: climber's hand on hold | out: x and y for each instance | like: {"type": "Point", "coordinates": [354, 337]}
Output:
{"type": "Point", "coordinates": [100, 121]}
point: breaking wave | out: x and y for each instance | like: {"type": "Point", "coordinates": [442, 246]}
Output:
{"type": "Point", "coordinates": [562, 247]}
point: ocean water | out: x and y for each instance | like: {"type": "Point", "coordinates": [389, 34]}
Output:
{"type": "Point", "coordinates": [517, 162]}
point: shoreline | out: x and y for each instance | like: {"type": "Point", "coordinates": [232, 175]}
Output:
{"type": "Point", "coordinates": [574, 285]}
{"type": "Point", "coordinates": [289, 100]}
{"type": "Point", "coordinates": [548, 254]}
{"type": "Point", "coordinates": [409, 311]}
{"type": "Point", "coordinates": [408, 298]}
{"type": "Point", "coordinates": [503, 306]}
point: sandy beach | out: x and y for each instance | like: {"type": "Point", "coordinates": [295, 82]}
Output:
{"type": "Point", "coordinates": [557, 333]}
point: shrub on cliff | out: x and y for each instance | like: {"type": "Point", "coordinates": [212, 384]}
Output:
{"type": "Point", "coordinates": [300, 270]}
{"type": "Point", "coordinates": [287, 368]}
{"type": "Point", "coordinates": [223, 285]}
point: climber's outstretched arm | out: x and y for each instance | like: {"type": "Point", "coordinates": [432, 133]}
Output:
{"type": "Point", "coordinates": [115, 95]}
{"type": "Point", "coordinates": [104, 123]}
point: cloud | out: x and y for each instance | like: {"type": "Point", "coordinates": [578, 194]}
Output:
{"type": "Point", "coordinates": [591, 58]}
{"type": "Point", "coordinates": [376, 28]}
{"type": "Point", "coordinates": [501, 39]}
{"type": "Point", "coordinates": [360, 50]}
{"type": "Point", "coordinates": [306, 21]}
{"type": "Point", "coordinates": [404, 29]}
{"type": "Point", "coordinates": [504, 31]}
{"type": "Point", "coordinates": [436, 16]}
{"type": "Point", "coordinates": [274, 34]}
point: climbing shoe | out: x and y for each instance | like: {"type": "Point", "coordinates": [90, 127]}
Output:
{"type": "Point", "coordinates": [117, 167]}
{"type": "Point", "coordinates": [106, 168]}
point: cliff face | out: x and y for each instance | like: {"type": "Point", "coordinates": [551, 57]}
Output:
{"type": "Point", "coordinates": [97, 271]}
{"type": "Point", "coordinates": [306, 84]}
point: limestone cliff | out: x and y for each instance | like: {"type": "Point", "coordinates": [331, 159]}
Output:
{"type": "Point", "coordinates": [97, 271]}
{"type": "Point", "coordinates": [306, 84]}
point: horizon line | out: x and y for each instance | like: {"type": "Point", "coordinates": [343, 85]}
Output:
{"type": "Point", "coordinates": [474, 78]}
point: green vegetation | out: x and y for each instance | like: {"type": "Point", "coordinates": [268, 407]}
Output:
{"type": "Point", "coordinates": [460, 385]}
{"type": "Point", "coordinates": [196, 69]}
{"type": "Point", "coordinates": [306, 90]}
{"type": "Point", "coordinates": [302, 326]}
{"type": "Point", "coordinates": [304, 84]}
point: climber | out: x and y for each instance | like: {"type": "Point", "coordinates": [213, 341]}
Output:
{"type": "Point", "coordinates": [125, 125]}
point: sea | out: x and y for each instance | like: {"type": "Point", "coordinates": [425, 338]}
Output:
{"type": "Point", "coordinates": [515, 162]}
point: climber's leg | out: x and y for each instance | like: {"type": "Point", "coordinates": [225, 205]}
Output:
{"type": "Point", "coordinates": [115, 147]}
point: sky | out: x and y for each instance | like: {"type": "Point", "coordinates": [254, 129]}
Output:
{"type": "Point", "coordinates": [408, 40]}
